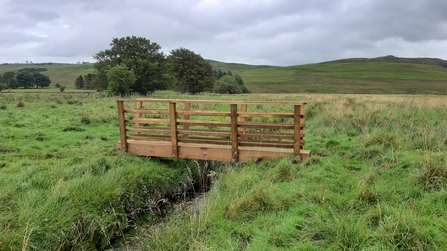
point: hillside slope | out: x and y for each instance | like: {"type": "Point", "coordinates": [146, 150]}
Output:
{"type": "Point", "coordinates": [357, 75]}
{"type": "Point", "coordinates": [64, 74]}
{"type": "Point", "coordinates": [382, 75]}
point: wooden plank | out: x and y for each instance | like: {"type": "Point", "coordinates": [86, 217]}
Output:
{"type": "Point", "coordinates": [186, 107]}
{"type": "Point", "coordinates": [173, 119]}
{"type": "Point", "coordinates": [242, 120]}
{"type": "Point", "coordinates": [267, 144]}
{"type": "Point", "coordinates": [205, 152]}
{"type": "Point", "coordinates": [203, 113]}
{"type": "Point", "coordinates": [234, 133]}
{"type": "Point", "coordinates": [139, 105]}
{"type": "Point", "coordinates": [147, 111]}
{"type": "Point", "coordinates": [266, 114]}
{"type": "Point", "coordinates": [122, 123]}
{"type": "Point", "coordinates": [266, 125]}
{"type": "Point", "coordinates": [148, 137]}
{"type": "Point", "coordinates": [221, 133]}
{"type": "Point", "coordinates": [297, 130]}
{"type": "Point", "coordinates": [266, 135]}
{"type": "Point", "coordinates": [155, 149]}
{"type": "Point", "coordinates": [150, 121]}
{"type": "Point", "coordinates": [203, 123]}
{"type": "Point", "coordinates": [214, 141]}
{"type": "Point", "coordinates": [138, 130]}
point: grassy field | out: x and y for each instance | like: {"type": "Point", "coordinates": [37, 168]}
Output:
{"type": "Point", "coordinates": [62, 184]}
{"type": "Point", "coordinates": [376, 181]}
{"type": "Point", "coordinates": [384, 75]}
{"type": "Point", "coordinates": [63, 74]}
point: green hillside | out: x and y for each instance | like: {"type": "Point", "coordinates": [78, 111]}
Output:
{"type": "Point", "coordinates": [64, 74]}
{"type": "Point", "coordinates": [358, 75]}
{"type": "Point", "coordinates": [382, 75]}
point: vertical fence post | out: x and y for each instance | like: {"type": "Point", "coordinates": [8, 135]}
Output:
{"type": "Point", "coordinates": [139, 105]}
{"type": "Point", "coordinates": [302, 125]}
{"type": "Point", "coordinates": [173, 120]}
{"type": "Point", "coordinates": [297, 130]}
{"type": "Point", "coordinates": [234, 134]}
{"type": "Point", "coordinates": [122, 122]}
{"type": "Point", "coordinates": [187, 107]}
{"type": "Point", "coordinates": [243, 119]}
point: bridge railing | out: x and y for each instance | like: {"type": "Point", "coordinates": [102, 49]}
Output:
{"type": "Point", "coordinates": [215, 130]}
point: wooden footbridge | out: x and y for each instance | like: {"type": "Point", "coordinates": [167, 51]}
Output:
{"type": "Point", "coordinates": [233, 131]}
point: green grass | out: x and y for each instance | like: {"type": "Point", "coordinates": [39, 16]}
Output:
{"type": "Point", "coordinates": [376, 181]}
{"type": "Point", "coordinates": [63, 186]}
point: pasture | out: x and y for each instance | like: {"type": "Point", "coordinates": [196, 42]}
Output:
{"type": "Point", "coordinates": [376, 180]}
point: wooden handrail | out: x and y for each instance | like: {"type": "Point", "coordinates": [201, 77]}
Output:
{"type": "Point", "coordinates": [246, 133]}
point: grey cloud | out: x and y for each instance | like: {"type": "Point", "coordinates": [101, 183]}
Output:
{"type": "Point", "coordinates": [10, 39]}
{"type": "Point", "coordinates": [281, 32]}
{"type": "Point", "coordinates": [38, 15]}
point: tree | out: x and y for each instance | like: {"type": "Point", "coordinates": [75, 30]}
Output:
{"type": "Point", "coordinates": [227, 84]}
{"type": "Point", "coordinates": [139, 55]}
{"type": "Point", "coordinates": [120, 80]}
{"type": "Point", "coordinates": [41, 80]}
{"type": "Point", "coordinates": [240, 83]}
{"type": "Point", "coordinates": [3, 87]}
{"type": "Point", "coordinates": [88, 81]}
{"type": "Point", "coordinates": [193, 73]}
{"type": "Point", "coordinates": [25, 79]}
{"type": "Point", "coordinates": [9, 78]}
{"type": "Point", "coordinates": [79, 82]}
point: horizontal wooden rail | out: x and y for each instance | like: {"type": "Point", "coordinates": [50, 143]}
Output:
{"type": "Point", "coordinates": [192, 129]}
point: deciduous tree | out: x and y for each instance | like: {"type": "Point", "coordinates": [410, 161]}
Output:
{"type": "Point", "coordinates": [9, 78]}
{"type": "Point", "coordinates": [138, 54]}
{"type": "Point", "coordinates": [25, 79]}
{"type": "Point", "coordinates": [41, 80]}
{"type": "Point", "coordinates": [120, 80]}
{"type": "Point", "coordinates": [227, 84]}
{"type": "Point", "coordinates": [193, 73]}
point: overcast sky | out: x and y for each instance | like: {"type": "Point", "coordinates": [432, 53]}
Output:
{"type": "Point", "coordinates": [273, 32]}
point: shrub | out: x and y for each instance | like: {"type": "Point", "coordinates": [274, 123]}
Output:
{"type": "Point", "coordinates": [20, 104]}
{"type": "Point", "coordinates": [3, 87]}
{"type": "Point", "coordinates": [227, 85]}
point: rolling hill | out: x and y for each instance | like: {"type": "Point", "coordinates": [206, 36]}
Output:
{"type": "Point", "coordinates": [382, 75]}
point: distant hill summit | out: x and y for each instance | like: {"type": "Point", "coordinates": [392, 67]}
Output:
{"type": "Point", "coordinates": [393, 59]}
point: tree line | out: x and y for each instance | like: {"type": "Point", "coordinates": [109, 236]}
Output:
{"type": "Point", "coordinates": [135, 64]}
{"type": "Point", "coordinates": [26, 78]}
